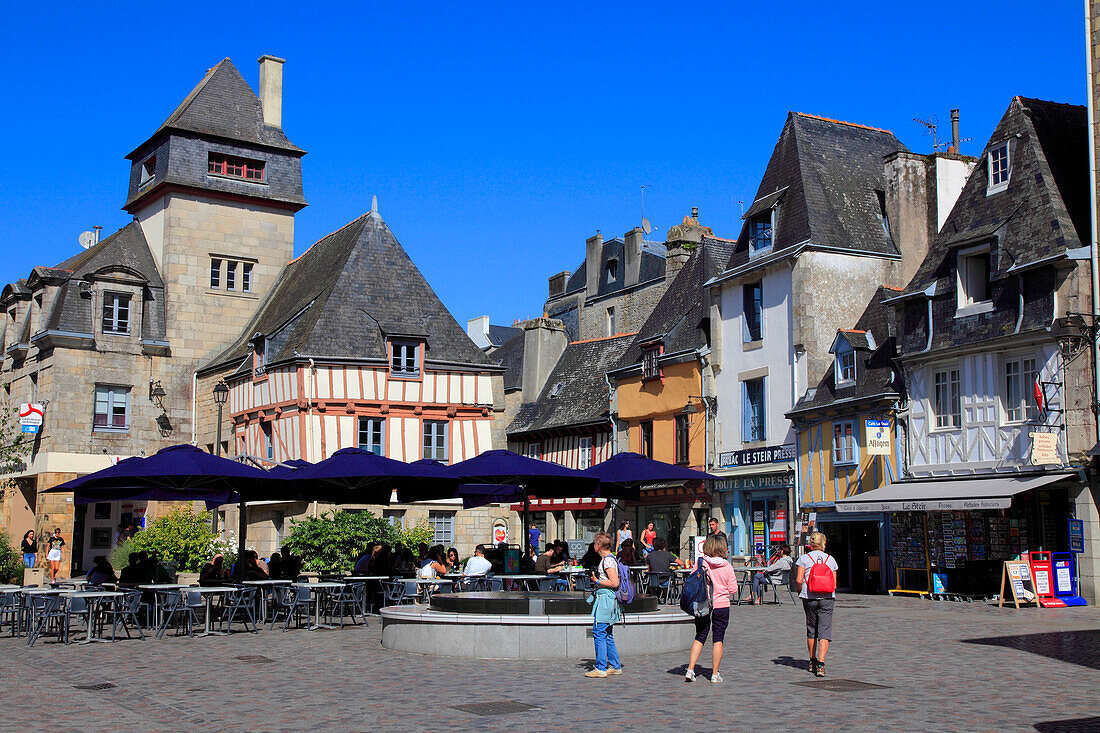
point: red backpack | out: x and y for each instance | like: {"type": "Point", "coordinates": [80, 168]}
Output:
{"type": "Point", "coordinates": [820, 578]}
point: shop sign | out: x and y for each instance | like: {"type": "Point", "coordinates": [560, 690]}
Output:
{"type": "Point", "coordinates": [1076, 535]}
{"type": "Point", "coordinates": [756, 483]}
{"type": "Point", "coordinates": [930, 505]}
{"type": "Point", "coordinates": [500, 534]}
{"type": "Point", "coordinates": [757, 456]}
{"type": "Point", "coordinates": [779, 526]}
{"type": "Point", "coordinates": [30, 416]}
{"type": "Point", "coordinates": [878, 438]}
{"type": "Point", "coordinates": [1044, 449]}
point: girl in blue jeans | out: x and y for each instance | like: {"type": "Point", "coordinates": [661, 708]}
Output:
{"type": "Point", "coordinates": [30, 548]}
{"type": "Point", "coordinates": [605, 610]}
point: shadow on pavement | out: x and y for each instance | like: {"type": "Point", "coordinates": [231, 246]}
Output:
{"type": "Point", "coordinates": [803, 664]}
{"type": "Point", "coordinates": [1075, 647]}
{"type": "Point", "coordinates": [683, 668]}
{"type": "Point", "coordinates": [1075, 725]}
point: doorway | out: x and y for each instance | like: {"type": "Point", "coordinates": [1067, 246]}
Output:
{"type": "Point", "coordinates": [855, 546]}
{"type": "Point", "coordinates": [666, 523]}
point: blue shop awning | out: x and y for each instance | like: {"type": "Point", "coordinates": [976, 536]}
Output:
{"type": "Point", "coordinates": [947, 494]}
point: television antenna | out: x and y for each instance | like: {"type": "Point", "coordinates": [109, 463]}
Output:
{"type": "Point", "coordinates": [87, 239]}
{"type": "Point", "coordinates": [646, 226]}
{"type": "Point", "coordinates": [931, 128]}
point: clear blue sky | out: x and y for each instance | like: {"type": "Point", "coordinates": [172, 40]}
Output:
{"type": "Point", "coordinates": [497, 137]}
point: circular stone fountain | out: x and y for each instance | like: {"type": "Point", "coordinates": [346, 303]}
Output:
{"type": "Point", "coordinates": [528, 625]}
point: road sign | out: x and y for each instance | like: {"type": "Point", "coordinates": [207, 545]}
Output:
{"type": "Point", "coordinates": [30, 416]}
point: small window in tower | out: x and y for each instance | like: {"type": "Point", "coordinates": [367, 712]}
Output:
{"type": "Point", "coordinates": [231, 166]}
{"type": "Point", "coordinates": [230, 275]}
{"type": "Point", "coordinates": [148, 169]}
{"type": "Point", "coordinates": [215, 272]}
{"type": "Point", "coordinates": [246, 277]}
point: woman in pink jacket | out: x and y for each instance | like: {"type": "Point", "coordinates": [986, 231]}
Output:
{"type": "Point", "coordinates": [723, 583]}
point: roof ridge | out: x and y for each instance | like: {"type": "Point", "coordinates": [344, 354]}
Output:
{"type": "Point", "coordinates": [332, 233]}
{"type": "Point", "coordinates": [842, 122]}
{"type": "Point", "coordinates": [193, 94]}
{"type": "Point", "coordinates": [1046, 101]}
{"type": "Point", "coordinates": [604, 338]}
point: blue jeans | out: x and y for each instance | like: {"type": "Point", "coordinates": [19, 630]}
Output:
{"type": "Point", "coordinates": [758, 581]}
{"type": "Point", "coordinates": [28, 559]}
{"type": "Point", "coordinates": [606, 653]}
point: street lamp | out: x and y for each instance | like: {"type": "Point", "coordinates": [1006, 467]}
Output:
{"type": "Point", "coordinates": [221, 395]}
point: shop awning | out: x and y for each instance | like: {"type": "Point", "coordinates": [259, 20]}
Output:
{"type": "Point", "coordinates": [947, 494]}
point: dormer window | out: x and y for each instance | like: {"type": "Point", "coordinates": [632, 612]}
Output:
{"type": "Point", "coordinates": [973, 277]}
{"type": "Point", "coordinates": [259, 352]}
{"type": "Point", "coordinates": [404, 359]}
{"type": "Point", "coordinates": [760, 233]}
{"type": "Point", "coordinates": [148, 169]}
{"type": "Point", "coordinates": [231, 166]}
{"type": "Point", "coordinates": [612, 269]}
{"type": "Point", "coordinates": [1000, 167]}
{"type": "Point", "coordinates": [651, 367]}
{"type": "Point", "coordinates": [845, 367]}
{"type": "Point", "coordinates": [116, 313]}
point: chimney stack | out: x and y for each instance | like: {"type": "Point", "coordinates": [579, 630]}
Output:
{"type": "Point", "coordinates": [544, 341]}
{"type": "Point", "coordinates": [632, 256]}
{"type": "Point", "coordinates": [954, 131]}
{"type": "Point", "coordinates": [271, 90]}
{"type": "Point", "coordinates": [478, 331]}
{"type": "Point", "coordinates": [593, 249]}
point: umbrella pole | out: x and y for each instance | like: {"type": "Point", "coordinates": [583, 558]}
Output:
{"type": "Point", "coordinates": [526, 521]}
{"type": "Point", "coordinates": [242, 530]}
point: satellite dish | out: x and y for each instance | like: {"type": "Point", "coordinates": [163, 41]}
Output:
{"type": "Point", "coordinates": [646, 226]}
{"type": "Point", "coordinates": [87, 239]}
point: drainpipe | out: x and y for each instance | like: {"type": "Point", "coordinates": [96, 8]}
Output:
{"type": "Point", "coordinates": [310, 394]}
{"type": "Point", "coordinates": [611, 415]}
{"type": "Point", "coordinates": [194, 407]}
{"type": "Point", "coordinates": [1094, 253]}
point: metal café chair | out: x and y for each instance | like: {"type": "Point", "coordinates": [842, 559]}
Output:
{"type": "Point", "coordinates": [393, 592]}
{"type": "Point", "coordinates": [176, 605]}
{"type": "Point", "coordinates": [45, 613]}
{"type": "Point", "coordinates": [585, 584]}
{"type": "Point", "coordinates": [782, 579]}
{"type": "Point", "coordinates": [240, 601]}
{"type": "Point", "coordinates": [659, 584]}
{"type": "Point", "coordinates": [293, 603]}
{"type": "Point", "coordinates": [124, 611]}
{"type": "Point", "coordinates": [547, 583]}
{"type": "Point", "coordinates": [76, 608]}
{"type": "Point", "coordinates": [345, 602]}
{"type": "Point", "coordinates": [9, 610]}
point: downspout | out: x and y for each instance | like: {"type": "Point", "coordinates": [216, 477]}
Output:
{"type": "Point", "coordinates": [1020, 303]}
{"type": "Point", "coordinates": [194, 407]}
{"type": "Point", "coordinates": [928, 345]}
{"type": "Point", "coordinates": [706, 410]}
{"type": "Point", "coordinates": [1094, 253]}
{"type": "Point", "coordinates": [310, 394]}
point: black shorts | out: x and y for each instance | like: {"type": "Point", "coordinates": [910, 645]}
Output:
{"type": "Point", "coordinates": [819, 618]}
{"type": "Point", "coordinates": [719, 618]}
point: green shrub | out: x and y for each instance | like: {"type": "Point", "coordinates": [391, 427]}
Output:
{"type": "Point", "coordinates": [333, 541]}
{"type": "Point", "coordinates": [182, 536]}
{"type": "Point", "coordinates": [421, 533]}
{"type": "Point", "coordinates": [11, 561]}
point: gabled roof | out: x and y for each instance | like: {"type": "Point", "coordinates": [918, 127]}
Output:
{"type": "Point", "coordinates": [223, 105]}
{"type": "Point", "coordinates": [857, 339]}
{"type": "Point", "coordinates": [680, 318]}
{"type": "Point", "coordinates": [510, 356]}
{"type": "Point", "coordinates": [499, 335]}
{"type": "Point", "coordinates": [1043, 213]}
{"type": "Point", "coordinates": [582, 398]}
{"type": "Point", "coordinates": [875, 376]}
{"type": "Point", "coordinates": [824, 174]}
{"type": "Point", "coordinates": [345, 296]}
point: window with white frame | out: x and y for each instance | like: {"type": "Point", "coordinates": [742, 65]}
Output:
{"type": "Point", "coordinates": [753, 301]}
{"type": "Point", "coordinates": [753, 411]}
{"type": "Point", "coordinates": [584, 453]}
{"type": "Point", "coordinates": [1000, 167]}
{"type": "Point", "coordinates": [215, 272]}
{"type": "Point", "coordinates": [443, 527]}
{"type": "Point", "coordinates": [230, 275]}
{"type": "Point", "coordinates": [435, 440]}
{"type": "Point", "coordinates": [112, 409]}
{"type": "Point", "coordinates": [269, 442]}
{"type": "Point", "coordinates": [534, 450]}
{"type": "Point", "coordinates": [404, 359]}
{"type": "Point", "coordinates": [246, 277]}
{"type": "Point", "coordinates": [611, 321]}
{"type": "Point", "coordinates": [651, 368]}
{"type": "Point", "coordinates": [947, 403]}
{"type": "Point", "coordinates": [396, 518]}
{"type": "Point", "coordinates": [844, 442]}
{"type": "Point", "coordinates": [845, 367]}
{"type": "Point", "coordinates": [116, 313]}
{"type": "Point", "coordinates": [372, 434]}
{"type": "Point", "coordinates": [973, 279]}
{"type": "Point", "coordinates": [760, 233]}
{"type": "Point", "coordinates": [148, 169]}
{"type": "Point", "coordinates": [1019, 382]}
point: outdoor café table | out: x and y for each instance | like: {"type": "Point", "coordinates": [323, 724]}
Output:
{"type": "Point", "coordinates": [526, 580]}
{"type": "Point", "coordinates": [366, 579]}
{"type": "Point", "coordinates": [95, 599]}
{"type": "Point", "coordinates": [209, 591]}
{"type": "Point", "coordinates": [319, 591]}
{"type": "Point", "coordinates": [747, 572]}
{"type": "Point", "coordinates": [426, 584]}
{"type": "Point", "coordinates": [572, 574]}
{"type": "Point", "coordinates": [265, 587]}
{"type": "Point", "coordinates": [154, 587]}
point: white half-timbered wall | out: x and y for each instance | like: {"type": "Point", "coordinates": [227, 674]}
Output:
{"type": "Point", "coordinates": [566, 449]}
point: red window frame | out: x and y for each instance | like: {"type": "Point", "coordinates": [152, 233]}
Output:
{"type": "Point", "coordinates": [233, 167]}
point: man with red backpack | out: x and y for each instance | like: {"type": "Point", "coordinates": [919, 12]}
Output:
{"type": "Point", "coordinates": [817, 580]}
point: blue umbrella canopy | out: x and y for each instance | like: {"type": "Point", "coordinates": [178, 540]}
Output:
{"type": "Point", "coordinates": [634, 470]}
{"type": "Point", "coordinates": [537, 478]}
{"type": "Point", "coordinates": [287, 468]}
{"type": "Point", "coordinates": [359, 476]}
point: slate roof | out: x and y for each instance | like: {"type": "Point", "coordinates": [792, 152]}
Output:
{"type": "Point", "coordinates": [499, 335]}
{"type": "Point", "coordinates": [651, 267]}
{"type": "Point", "coordinates": [681, 317]}
{"type": "Point", "coordinates": [1045, 209]}
{"type": "Point", "coordinates": [345, 296]}
{"type": "Point", "coordinates": [510, 356]}
{"type": "Point", "coordinates": [223, 105]}
{"type": "Point", "coordinates": [127, 251]}
{"type": "Point", "coordinates": [824, 175]}
{"type": "Point", "coordinates": [875, 372]}
{"type": "Point", "coordinates": [582, 398]}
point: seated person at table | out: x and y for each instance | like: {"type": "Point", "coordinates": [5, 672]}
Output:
{"type": "Point", "coordinates": [435, 564]}
{"type": "Point", "coordinates": [591, 559]}
{"type": "Point", "coordinates": [477, 565]}
{"type": "Point", "coordinates": [548, 562]}
{"type": "Point", "coordinates": [362, 563]}
{"type": "Point", "coordinates": [157, 572]}
{"type": "Point", "coordinates": [453, 561]}
{"type": "Point", "coordinates": [291, 565]}
{"type": "Point", "coordinates": [101, 572]}
{"type": "Point", "coordinates": [782, 563]}
{"type": "Point", "coordinates": [627, 555]}
{"type": "Point", "coordinates": [252, 569]}
{"type": "Point", "coordinates": [661, 560]}
{"type": "Point", "coordinates": [135, 572]}
{"type": "Point", "coordinates": [212, 573]}
{"type": "Point", "coordinates": [381, 563]}
{"type": "Point", "coordinates": [563, 551]}
{"type": "Point", "coordinates": [275, 566]}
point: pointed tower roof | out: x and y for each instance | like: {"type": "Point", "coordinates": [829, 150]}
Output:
{"type": "Point", "coordinates": [346, 295]}
{"type": "Point", "coordinates": [223, 105]}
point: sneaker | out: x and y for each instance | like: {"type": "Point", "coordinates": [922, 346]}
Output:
{"type": "Point", "coordinates": [595, 673]}
{"type": "Point", "coordinates": [716, 678]}
{"type": "Point", "coordinates": [813, 667]}
{"type": "Point", "coordinates": [690, 676]}
{"type": "Point", "coordinates": [819, 669]}
{"type": "Point", "coordinates": [612, 670]}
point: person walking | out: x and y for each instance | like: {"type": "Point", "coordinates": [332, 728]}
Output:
{"type": "Point", "coordinates": [648, 535]}
{"type": "Point", "coordinates": [29, 546]}
{"type": "Point", "coordinates": [55, 549]}
{"type": "Point", "coordinates": [817, 604]}
{"type": "Point", "coordinates": [623, 535]}
{"type": "Point", "coordinates": [605, 610]}
{"type": "Point", "coordinates": [723, 583]}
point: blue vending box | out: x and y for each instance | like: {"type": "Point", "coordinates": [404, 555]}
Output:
{"type": "Point", "coordinates": [1065, 579]}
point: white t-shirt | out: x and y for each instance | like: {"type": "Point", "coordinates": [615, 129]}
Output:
{"type": "Point", "coordinates": [624, 534]}
{"type": "Point", "coordinates": [607, 562]}
{"type": "Point", "coordinates": [807, 561]}
{"type": "Point", "coordinates": [477, 566]}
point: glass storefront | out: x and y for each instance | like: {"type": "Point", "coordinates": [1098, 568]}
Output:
{"type": "Point", "coordinates": [666, 522]}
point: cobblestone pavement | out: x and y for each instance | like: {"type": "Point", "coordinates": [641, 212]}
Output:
{"type": "Point", "coordinates": [943, 667]}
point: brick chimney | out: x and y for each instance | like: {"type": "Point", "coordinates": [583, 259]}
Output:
{"type": "Point", "coordinates": [271, 90]}
{"type": "Point", "coordinates": [632, 256]}
{"type": "Point", "coordinates": [592, 252]}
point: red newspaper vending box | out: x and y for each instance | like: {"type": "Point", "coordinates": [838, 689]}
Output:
{"type": "Point", "coordinates": [1042, 571]}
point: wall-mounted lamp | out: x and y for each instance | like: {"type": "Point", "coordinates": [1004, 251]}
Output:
{"type": "Point", "coordinates": [157, 393]}
{"type": "Point", "coordinates": [164, 425]}
{"type": "Point", "coordinates": [691, 409]}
